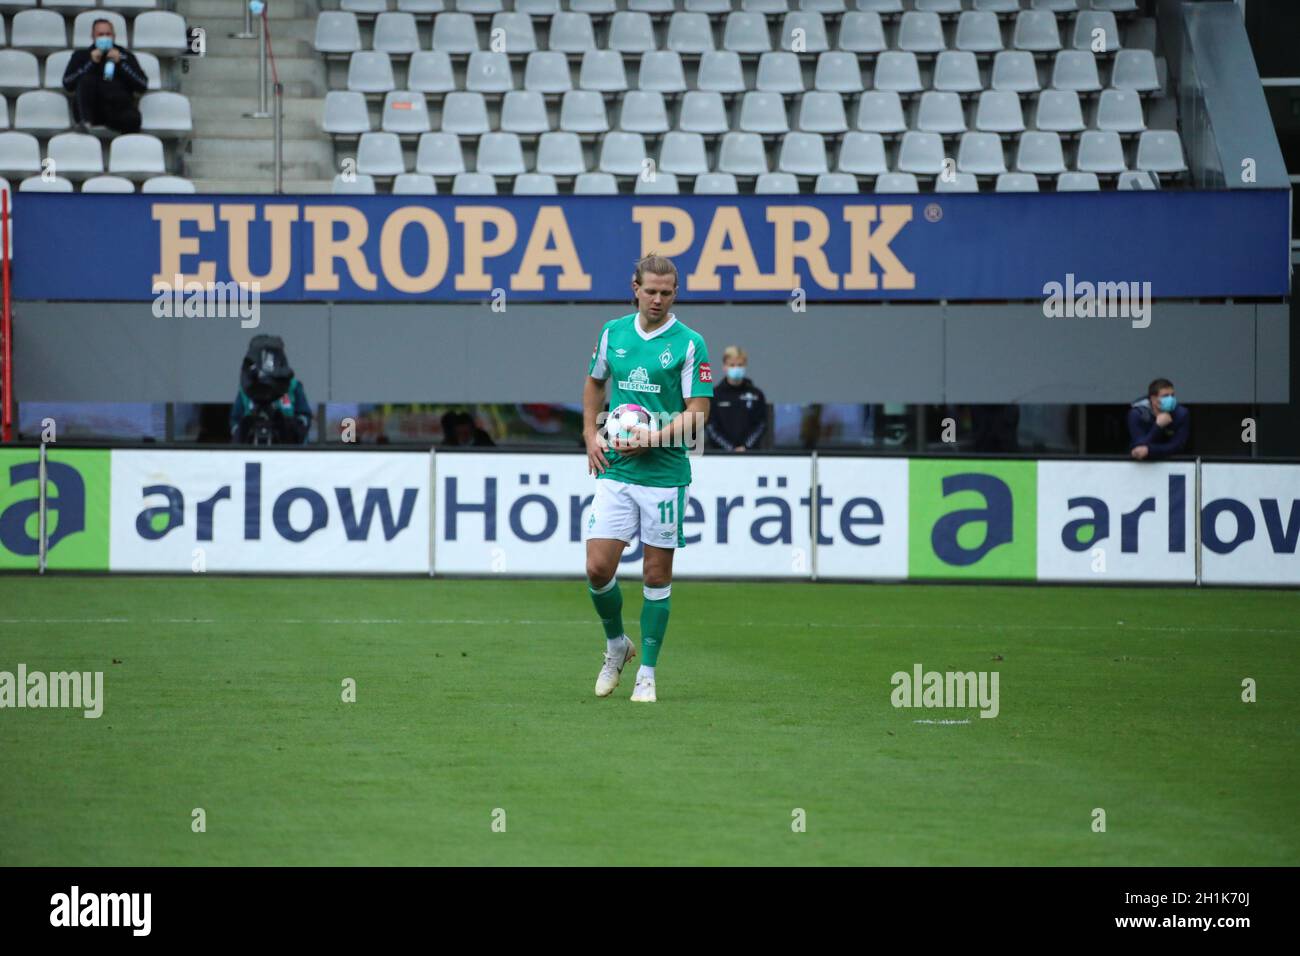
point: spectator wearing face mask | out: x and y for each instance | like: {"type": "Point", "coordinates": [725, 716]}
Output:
{"type": "Point", "coordinates": [104, 80]}
{"type": "Point", "coordinates": [738, 420]}
{"type": "Point", "coordinates": [1157, 425]}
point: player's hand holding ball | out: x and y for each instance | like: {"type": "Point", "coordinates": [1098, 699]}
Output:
{"type": "Point", "coordinates": [628, 430]}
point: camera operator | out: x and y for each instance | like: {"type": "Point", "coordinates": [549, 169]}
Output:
{"type": "Point", "coordinates": [271, 407]}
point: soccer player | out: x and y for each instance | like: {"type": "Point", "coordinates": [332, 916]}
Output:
{"type": "Point", "coordinates": [654, 361]}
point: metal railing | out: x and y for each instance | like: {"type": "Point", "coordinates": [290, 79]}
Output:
{"type": "Point", "coordinates": [274, 110]}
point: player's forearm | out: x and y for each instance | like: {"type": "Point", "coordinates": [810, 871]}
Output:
{"type": "Point", "coordinates": [593, 403]}
{"type": "Point", "coordinates": [686, 427]}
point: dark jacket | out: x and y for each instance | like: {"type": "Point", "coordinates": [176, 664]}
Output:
{"type": "Point", "coordinates": [1160, 442]}
{"type": "Point", "coordinates": [292, 415]}
{"type": "Point", "coordinates": [737, 415]}
{"type": "Point", "coordinates": [128, 77]}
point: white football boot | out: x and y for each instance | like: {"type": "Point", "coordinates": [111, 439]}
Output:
{"type": "Point", "coordinates": [644, 691]}
{"type": "Point", "coordinates": [609, 675]}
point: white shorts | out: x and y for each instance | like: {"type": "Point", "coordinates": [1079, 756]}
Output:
{"type": "Point", "coordinates": [626, 511]}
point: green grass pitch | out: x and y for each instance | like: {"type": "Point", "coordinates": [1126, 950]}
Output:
{"type": "Point", "coordinates": [474, 695]}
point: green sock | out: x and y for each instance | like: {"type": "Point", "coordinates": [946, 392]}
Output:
{"type": "Point", "coordinates": [654, 622]}
{"type": "Point", "coordinates": [609, 605]}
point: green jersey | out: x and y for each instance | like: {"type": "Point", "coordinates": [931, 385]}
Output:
{"type": "Point", "coordinates": [659, 371]}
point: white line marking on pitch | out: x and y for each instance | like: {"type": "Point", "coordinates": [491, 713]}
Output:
{"type": "Point", "coordinates": [945, 722]}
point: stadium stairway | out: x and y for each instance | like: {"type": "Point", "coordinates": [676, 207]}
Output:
{"type": "Point", "coordinates": [231, 152]}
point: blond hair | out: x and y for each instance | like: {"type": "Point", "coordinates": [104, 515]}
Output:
{"type": "Point", "coordinates": [656, 265]}
{"type": "Point", "coordinates": [735, 353]}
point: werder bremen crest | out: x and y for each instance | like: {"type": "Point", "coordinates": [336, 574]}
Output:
{"type": "Point", "coordinates": [666, 356]}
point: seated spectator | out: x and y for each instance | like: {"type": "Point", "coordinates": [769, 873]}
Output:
{"type": "Point", "coordinates": [103, 81]}
{"type": "Point", "coordinates": [738, 415]}
{"type": "Point", "coordinates": [1157, 425]}
{"type": "Point", "coordinates": [459, 429]}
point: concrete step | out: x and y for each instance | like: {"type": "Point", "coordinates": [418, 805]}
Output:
{"type": "Point", "coordinates": [199, 12]}
{"type": "Point", "coordinates": [298, 187]}
{"type": "Point", "coordinates": [224, 116]}
{"type": "Point", "coordinates": [219, 28]}
{"type": "Point", "coordinates": [225, 69]}
{"type": "Point", "coordinates": [207, 169]}
{"type": "Point", "coordinates": [234, 151]}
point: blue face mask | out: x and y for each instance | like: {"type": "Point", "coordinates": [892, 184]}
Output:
{"type": "Point", "coordinates": [1168, 403]}
{"type": "Point", "coordinates": [735, 373]}
{"type": "Point", "coordinates": [104, 43]}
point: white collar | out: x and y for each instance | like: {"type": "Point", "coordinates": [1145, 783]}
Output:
{"type": "Point", "coordinates": [647, 336]}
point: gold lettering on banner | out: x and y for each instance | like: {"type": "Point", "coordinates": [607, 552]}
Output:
{"type": "Point", "coordinates": [865, 244]}
{"type": "Point", "coordinates": [390, 249]}
{"type": "Point", "coordinates": [326, 248]}
{"type": "Point", "coordinates": [172, 245]}
{"type": "Point", "coordinates": [281, 217]}
{"type": "Point", "coordinates": [653, 219]}
{"type": "Point", "coordinates": [727, 245]}
{"type": "Point", "coordinates": [811, 248]}
{"type": "Point", "coordinates": [550, 244]}
{"type": "Point", "coordinates": [472, 278]}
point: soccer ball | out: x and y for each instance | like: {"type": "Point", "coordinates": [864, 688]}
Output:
{"type": "Point", "coordinates": [625, 421]}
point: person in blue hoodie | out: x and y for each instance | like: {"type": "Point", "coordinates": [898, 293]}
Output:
{"type": "Point", "coordinates": [1157, 425]}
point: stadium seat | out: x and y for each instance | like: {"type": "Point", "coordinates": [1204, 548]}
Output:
{"type": "Point", "coordinates": [838, 72]}
{"type": "Point", "coordinates": [1059, 110]}
{"type": "Point", "coordinates": [364, 7]}
{"type": "Point", "coordinates": [1075, 70]}
{"type": "Point", "coordinates": [76, 155]}
{"type": "Point", "coordinates": [82, 23]}
{"type": "Point", "coordinates": [538, 8]}
{"type": "Point", "coordinates": [661, 71]}
{"type": "Point", "coordinates": [683, 154]}
{"type": "Point", "coordinates": [595, 184]}
{"type": "Point", "coordinates": [524, 112]}
{"type": "Point", "coordinates": [148, 62]}
{"type": "Point", "coordinates": [897, 71]}
{"type": "Point", "coordinates": [1115, 6]}
{"type": "Point", "coordinates": [430, 71]}
{"type": "Point", "coordinates": [1077, 182]}
{"type": "Point", "coordinates": [583, 111]}
{"type": "Point", "coordinates": [500, 154]}
{"type": "Point", "coordinates": [981, 154]}
{"type": "Point", "coordinates": [999, 112]}
{"type": "Point", "coordinates": [883, 7]}
{"type": "Point", "coordinates": [703, 111]}
{"type": "Point", "coordinates": [474, 184]}
{"type": "Point", "coordinates": [824, 7]}
{"type": "Point", "coordinates": [337, 32]}
{"type": "Point", "coordinates": [20, 154]}
{"type": "Point", "coordinates": [1088, 23]}
{"type": "Point", "coordinates": [812, 30]}
{"type": "Point", "coordinates": [959, 183]}
{"type": "Point", "coordinates": [1056, 6]}
{"type": "Point", "coordinates": [689, 33]}
{"type": "Point", "coordinates": [547, 73]}
{"type": "Point", "coordinates": [357, 184]}
{"type": "Point", "coordinates": [779, 183]}
{"type": "Point", "coordinates": [39, 31]}
{"type": "Point", "coordinates": [720, 72]}
{"type": "Point", "coordinates": [594, 7]}
{"type": "Point", "coordinates": [658, 184]}
{"type": "Point", "coordinates": [742, 154]}
{"type": "Point", "coordinates": [136, 156]}
{"type": "Point", "coordinates": [454, 33]}
{"type": "Point", "coordinates": [395, 34]}
{"type": "Point", "coordinates": [516, 29]}
{"type": "Point", "coordinates": [802, 154]}
{"type": "Point", "coordinates": [940, 113]}
{"type": "Point", "coordinates": [946, 7]}
{"type": "Point", "coordinates": [19, 71]}
{"type": "Point", "coordinates": [1101, 152]}
{"type": "Point", "coordinates": [1160, 151]}
{"type": "Point", "coordinates": [1014, 72]}
{"type": "Point", "coordinates": [956, 71]}
{"type": "Point", "coordinates": [166, 114]}
{"type": "Point", "coordinates": [1135, 70]}
{"type": "Point", "coordinates": [1137, 179]}
{"type": "Point", "coordinates": [571, 33]}
{"type": "Point", "coordinates": [370, 71]}
{"type": "Point", "coordinates": [978, 32]}
{"type": "Point", "coordinates": [921, 153]}
{"type": "Point", "coordinates": [1036, 31]}
{"type": "Point", "coordinates": [1120, 111]}
{"type": "Point", "coordinates": [422, 6]}
{"type": "Point", "coordinates": [481, 7]}
{"type": "Point", "coordinates": [716, 184]}
{"type": "Point", "coordinates": [765, 6]}
{"type": "Point", "coordinates": [1017, 183]}
{"type": "Point", "coordinates": [862, 32]}
{"type": "Point", "coordinates": [897, 183]}
{"type": "Point", "coordinates": [42, 111]}
{"type": "Point", "coordinates": [822, 113]}
{"type": "Point", "coordinates": [439, 154]}
{"type": "Point", "coordinates": [836, 183]}
{"type": "Point", "coordinates": [39, 184]}
{"type": "Point", "coordinates": [465, 113]}
{"type": "Point", "coordinates": [707, 6]}
{"type": "Point", "coordinates": [560, 154]}
{"type": "Point", "coordinates": [746, 33]}
{"type": "Point", "coordinates": [631, 32]}
{"type": "Point", "coordinates": [862, 154]}
{"type": "Point", "coordinates": [779, 72]}
{"type": "Point", "coordinates": [414, 184]}
{"type": "Point", "coordinates": [643, 112]}
{"type": "Point", "coordinates": [108, 184]}
{"type": "Point", "coordinates": [602, 70]}
{"type": "Point", "coordinates": [4, 113]}
{"type": "Point", "coordinates": [997, 6]}
{"type": "Point", "coordinates": [622, 154]}
{"type": "Point", "coordinates": [380, 154]}
{"type": "Point", "coordinates": [1040, 153]}
{"type": "Point", "coordinates": [405, 112]}
{"type": "Point", "coordinates": [921, 32]}
{"type": "Point", "coordinates": [880, 111]}
{"type": "Point", "coordinates": [488, 72]}
{"type": "Point", "coordinates": [56, 64]}
{"type": "Point", "coordinates": [166, 184]}
{"type": "Point", "coordinates": [763, 113]}
{"type": "Point", "coordinates": [535, 184]}
{"type": "Point", "coordinates": [157, 31]}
